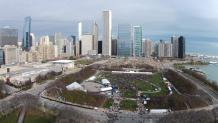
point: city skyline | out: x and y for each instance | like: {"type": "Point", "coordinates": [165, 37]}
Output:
{"type": "Point", "coordinates": [175, 17]}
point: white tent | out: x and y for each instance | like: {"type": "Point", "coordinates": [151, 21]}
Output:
{"type": "Point", "coordinates": [106, 89]}
{"type": "Point", "coordinates": [92, 78]}
{"type": "Point", "coordinates": [74, 86]}
{"type": "Point", "coordinates": [105, 82]}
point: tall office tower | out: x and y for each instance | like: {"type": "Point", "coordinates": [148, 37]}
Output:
{"type": "Point", "coordinates": [10, 54]}
{"type": "Point", "coordinates": [52, 39]}
{"type": "Point", "coordinates": [168, 50]}
{"type": "Point", "coordinates": [107, 28]}
{"type": "Point", "coordinates": [174, 41]}
{"type": "Point", "coordinates": [59, 42]}
{"type": "Point", "coordinates": [8, 36]}
{"type": "Point", "coordinates": [32, 39]}
{"type": "Point", "coordinates": [161, 49]}
{"type": "Point", "coordinates": [181, 53]}
{"type": "Point", "coordinates": [147, 48]}
{"type": "Point", "coordinates": [124, 41]}
{"type": "Point", "coordinates": [69, 49]}
{"type": "Point", "coordinates": [137, 41]}
{"type": "Point", "coordinates": [73, 40]}
{"type": "Point", "coordinates": [99, 47]}
{"type": "Point", "coordinates": [80, 31]}
{"type": "Point", "coordinates": [26, 34]}
{"type": "Point", "coordinates": [95, 36]}
{"type": "Point", "coordinates": [46, 48]}
{"type": "Point", "coordinates": [87, 44]}
{"type": "Point", "coordinates": [114, 47]}
{"type": "Point", "coordinates": [2, 59]}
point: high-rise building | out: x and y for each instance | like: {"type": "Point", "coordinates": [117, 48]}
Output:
{"type": "Point", "coordinates": [147, 48]}
{"type": "Point", "coordinates": [95, 36]}
{"type": "Point", "coordinates": [124, 41]}
{"type": "Point", "coordinates": [174, 41]}
{"type": "Point", "coordinates": [161, 49]}
{"type": "Point", "coordinates": [80, 31]}
{"type": "Point", "coordinates": [107, 28]}
{"type": "Point", "coordinates": [87, 44]}
{"type": "Point", "coordinates": [46, 48]}
{"type": "Point", "coordinates": [32, 39]}
{"type": "Point", "coordinates": [2, 59]}
{"type": "Point", "coordinates": [59, 42]}
{"type": "Point", "coordinates": [10, 54]}
{"type": "Point", "coordinates": [114, 47]}
{"type": "Point", "coordinates": [181, 51]}
{"type": "Point", "coordinates": [99, 47]}
{"type": "Point", "coordinates": [165, 49]}
{"type": "Point", "coordinates": [73, 40]}
{"type": "Point", "coordinates": [26, 45]}
{"type": "Point", "coordinates": [8, 36]}
{"type": "Point", "coordinates": [52, 39]}
{"type": "Point", "coordinates": [168, 50]}
{"type": "Point", "coordinates": [137, 41]}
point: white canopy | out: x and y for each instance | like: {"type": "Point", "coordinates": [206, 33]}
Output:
{"type": "Point", "coordinates": [74, 86]}
{"type": "Point", "coordinates": [105, 81]}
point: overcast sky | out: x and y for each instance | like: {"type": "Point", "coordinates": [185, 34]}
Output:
{"type": "Point", "coordinates": [158, 17]}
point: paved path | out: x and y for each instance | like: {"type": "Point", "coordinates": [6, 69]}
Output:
{"type": "Point", "coordinates": [21, 115]}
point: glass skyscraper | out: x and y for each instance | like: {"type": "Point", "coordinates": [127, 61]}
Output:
{"type": "Point", "coordinates": [137, 41]}
{"type": "Point", "coordinates": [124, 41]}
{"type": "Point", "coordinates": [1, 57]}
{"type": "Point", "coordinates": [26, 44]}
{"type": "Point", "coordinates": [181, 51]}
{"type": "Point", "coordinates": [8, 36]}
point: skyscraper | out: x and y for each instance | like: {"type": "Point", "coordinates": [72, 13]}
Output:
{"type": "Point", "coordinates": [181, 51]}
{"type": "Point", "coordinates": [1, 57]}
{"type": "Point", "coordinates": [107, 28]}
{"type": "Point", "coordinates": [26, 34]}
{"type": "Point", "coordinates": [168, 47]}
{"type": "Point", "coordinates": [32, 39]}
{"type": "Point", "coordinates": [79, 30]}
{"type": "Point", "coordinates": [124, 41]}
{"type": "Point", "coordinates": [87, 44]}
{"type": "Point", "coordinates": [137, 41]}
{"type": "Point", "coordinates": [95, 36]}
{"type": "Point", "coordinates": [161, 49]}
{"type": "Point", "coordinates": [114, 47]}
{"type": "Point", "coordinates": [174, 41]}
{"type": "Point", "coordinates": [147, 48]}
{"type": "Point", "coordinates": [59, 42]}
{"type": "Point", "coordinates": [8, 36]}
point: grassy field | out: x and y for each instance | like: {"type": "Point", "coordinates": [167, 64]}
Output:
{"type": "Point", "coordinates": [158, 81]}
{"type": "Point", "coordinates": [84, 98]}
{"type": "Point", "coordinates": [84, 62]}
{"type": "Point", "coordinates": [10, 118]}
{"type": "Point", "coordinates": [129, 84]}
{"type": "Point", "coordinates": [37, 116]}
{"type": "Point", "coordinates": [130, 105]}
{"type": "Point", "coordinates": [108, 103]}
{"type": "Point", "coordinates": [32, 116]}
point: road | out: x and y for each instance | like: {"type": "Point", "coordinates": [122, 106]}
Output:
{"type": "Point", "coordinates": [7, 104]}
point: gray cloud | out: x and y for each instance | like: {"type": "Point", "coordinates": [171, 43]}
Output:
{"type": "Point", "coordinates": [159, 17]}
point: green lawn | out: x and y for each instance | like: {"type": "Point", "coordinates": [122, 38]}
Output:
{"type": "Point", "coordinates": [37, 116]}
{"type": "Point", "coordinates": [130, 105]}
{"type": "Point", "coordinates": [83, 98]}
{"type": "Point", "coordinates": [108, 103]}
{"type": "Point", "coordinates": [84, 62]}
{"type": "Point", "coordinates": [157, 80]}
{"type": "Point", "coordinates": [10, 118]}
{"type": "Point", "coordinates": [144, 86]}
{"type": "Point", "coordinates": [129, 93]}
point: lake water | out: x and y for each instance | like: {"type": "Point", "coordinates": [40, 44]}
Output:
{"type": "Point", "coordinates": [211, 71]}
